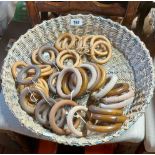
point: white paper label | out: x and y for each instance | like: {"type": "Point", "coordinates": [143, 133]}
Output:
{"type": "Point", "coordinates": [76, 22]}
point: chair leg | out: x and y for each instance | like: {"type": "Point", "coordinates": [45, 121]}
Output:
{"type": "Point", "coordinates": [130, 13]}
{"type": "Point", "coordinates": [33, 13]}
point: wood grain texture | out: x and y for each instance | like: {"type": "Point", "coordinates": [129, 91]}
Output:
{"type": "Point", "coordinates": [113, 10]}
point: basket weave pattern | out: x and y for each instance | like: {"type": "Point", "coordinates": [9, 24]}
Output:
{"type": "Point", "coordinates": [130, 61]}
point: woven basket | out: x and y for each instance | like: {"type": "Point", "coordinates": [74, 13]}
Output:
{"type": "Point", "coordinates": [130, 61]}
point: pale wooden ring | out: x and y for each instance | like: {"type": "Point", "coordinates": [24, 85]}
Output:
{"type": "Point", "coordinates": [52, 116]}
{"type": "Point", "coordinates": [61, 37]}
{"type": "Point", "coordinates": [64, 52]}
{"type": "Point", "coordinates": [93, 55]}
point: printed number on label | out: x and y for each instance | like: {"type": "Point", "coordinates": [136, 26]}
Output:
{"type": "Point", "coordinates": [76, 22]}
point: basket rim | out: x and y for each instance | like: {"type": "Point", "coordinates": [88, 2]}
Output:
{"type": "Point", "coordinates": [136, 115]}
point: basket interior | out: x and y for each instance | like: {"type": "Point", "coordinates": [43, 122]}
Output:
{"type": "Point", "coordinates": [130, 61]}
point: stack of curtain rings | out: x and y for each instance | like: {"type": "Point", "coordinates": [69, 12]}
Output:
{"type": "Point", "coordinates": [62, 73]}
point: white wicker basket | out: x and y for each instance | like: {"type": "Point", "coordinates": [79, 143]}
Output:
{"type": "Point", "coordinates": [130, 61]}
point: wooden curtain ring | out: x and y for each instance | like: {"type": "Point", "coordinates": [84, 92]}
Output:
{"type": "Point", "coordinates": [67, 85]}
{"type": "Point", "coordinates": [60, 78]}
{"type": "Point", "coordinates": [84, 86]}
{"type": "Point", "coordinates": [50, 49]}
{"type": "Point", "coordinates": [45, 70]}
{"type": "Point", "coordinates": [78, 42]}
{"type": "Point", "coordinates": [98, 110]}
{"type": "Point", "coordinates": [42, 110]}
{"type": "Point", "coordinates": [35, 95]}
{"type": "Point", "coordinates": [117, 105]}
{"type": "Point", "coordinates": [93, 55]}
{"type": "Point", "coordinates": [34, 57]}
{"type": "Point", "coordinates": [103, 129]}
{"type": "Point", "coordinates": [70, 119]}
{"type": "Point", "coordinates": [16, 65]}
{"type": "Point", "coordinates": [109, 118]}
{"type": "Point", "coordinates": [52, 116]}
{"type": "Point", "coordinates": [61, 120]}
{"type": "Point", "coordinates": [102, 51]}
{"type": "Point", "coordinates": [60, 116]}
{"type": "Point", "coordinates": [26, 81]}
{"type": "Point", "coordinates": [102, 79]}
{"type": "Point", "coordinates": [107, 87]}
{"type": "Point", "coordinates": [99, 77]}
{"type": "Point", "coordinates": [93, 72]}
{"type": "Point", "coordinates": [86, 39]}
{"type": "Point", "coordinates": [122, 97]}
{"type": "Point", "coordinates": [44, 74]}
{"type": "Point", "coordinates": [85, 81]}
{"type": "Point", "coordinates": [64, 43]}
{"type": "Point", "coordinates": [42, 113]}
{"type": "Point", "coordinates": [97, 38]}
{"type": "Point", "coordinates": [51, 82]}
{"type": "Point", "coordinates": [65, 82]}
{"type": "Point", "coordinates": [118, 89]}
{"type": "Point", "coordinates": [62, 37]}
{"type": "Point", "coordinates": [43, 85]}
{"type": "Point", "coordinates": [42, 88]}
{"type": "Point", "coordinates": [27, 106]}
{"type": "Point", "coordinates": [76, 55]}
{"type": "Point", "coordinates": [20, 88]}
{"type": "Point", "coordinates": [68, 56]}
